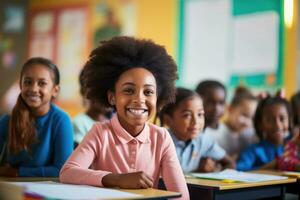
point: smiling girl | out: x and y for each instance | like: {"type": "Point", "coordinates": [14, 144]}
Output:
{"type": "Point", "coordinates": [37, 138]}
{"type": "Point", "coordinates": [272, 121]}
{"type": "Point", "coordinates": [135, 77]}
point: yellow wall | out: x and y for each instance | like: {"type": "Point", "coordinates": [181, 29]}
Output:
{"type": "Point", "coordinates": [156, 20]}
{"type": "Point", "coordinates": [290, 54]}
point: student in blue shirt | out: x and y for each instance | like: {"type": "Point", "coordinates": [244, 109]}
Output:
{"type": "Point", "coordinates": [185, 118]}
{"type": "Point", "coordinates": [37, 138]}
{"type": "Point", "coordinates": [272, 122]}
{"type": "Point", "coordinates": [94, 112]}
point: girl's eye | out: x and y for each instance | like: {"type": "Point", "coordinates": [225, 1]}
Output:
{"type": "Point", "coordinates": [42, 84]}
{"type": "Point", "coordinates": [149, 92]}
{"type": "Point", "coordinates": [283, 118]}
{"type": "Point", "coordinates": [201, 114]}
{"type": "Point", "coordinates": [26, 82]}
{"type": "Point", "coordinates": [187, 116]}
{"type": "Point", "coordinates": [128, 91]}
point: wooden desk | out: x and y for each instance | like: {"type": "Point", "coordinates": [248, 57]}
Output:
{"type": "Point", "coordinates": [153, 193]}
{"type": "Point", "coordinates": [217, 190]}
{"type": "Point", "coordinates": [291, 188]}
{"type": "Point", "coordinates": [149, 193]}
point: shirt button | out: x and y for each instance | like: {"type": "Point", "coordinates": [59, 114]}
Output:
{"type": "Point", "coordinates": [132, 165]}
{"type": "Point", "coordinates": [134, 142]}
{"type": "Point", "coordinates": [133, 152]}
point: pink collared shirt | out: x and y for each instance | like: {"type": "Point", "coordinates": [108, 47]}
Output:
{"type": "Point", "coordinates": [108, 148]}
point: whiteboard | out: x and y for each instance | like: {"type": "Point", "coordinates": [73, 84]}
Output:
{"type": "Point", "coordinates": [219, 45]}
{"type": "Point", "coordinates": [255, 44]}
{"type": "Point", "coordinates": [206, 41]}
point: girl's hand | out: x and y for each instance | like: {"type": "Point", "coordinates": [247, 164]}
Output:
{"type": "Point", "coordinates": [8, 171]}
{"type": "Point", "coordinates": [227, 162]}
{"type": "Point", "coordinates": [207, 165]}
{"type": "Point", "coordinates": [296, 135]}
{"type": "Point", "coordinates": [136, 180]}
{"type": "Point", "coordinates": [270, 165]}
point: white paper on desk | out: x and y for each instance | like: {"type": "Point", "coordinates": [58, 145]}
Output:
{"type": "Point", "coordinates": [75, 192]}
{"type": "Point", "coordinates": [231, 174]}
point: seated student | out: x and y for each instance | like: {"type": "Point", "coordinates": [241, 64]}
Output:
{"type": "Point", "coordinates": [213, 94]}
{"type": "Point", "coordinates": [185, 118]}
{"type": "Point", "coordinates": [295, 103]}
{"type": "Point", "coordinates": [83, 122]}
{"type": "Point", "coordinates": [272, 121]}
{"type": "Point", "coordinates": [290, 159]}
{"type": "Point", "coordinates": [135, 77]}
{"type": "Point", "coordinates": [238, 131]}
{"type": "Point", "coordinates": [37, 138]}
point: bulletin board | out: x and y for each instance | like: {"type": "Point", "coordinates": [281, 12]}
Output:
{"type": "Point", "coordinates": [12, 50]}
{"type": "Point", "coordinates": [61, 35]}
{"type": "Point", "coordinates": [235, 42]}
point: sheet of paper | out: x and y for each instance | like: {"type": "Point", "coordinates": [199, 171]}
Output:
{"type": "Point", "coordinates": [55, 190]}
{"type": "Point", "coordinates": [230, 174]}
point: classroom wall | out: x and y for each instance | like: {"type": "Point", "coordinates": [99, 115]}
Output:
{"type": "Point", "coordinates": [13, 42]}
{"type": "Point", "coordinates": [157, 20]}
{"type": "Point", "coordinates": [137, 18]}
{"type": "Point", "coordinates": [290, 54]}
{"type": "Point", "coordinates": [298, 49]}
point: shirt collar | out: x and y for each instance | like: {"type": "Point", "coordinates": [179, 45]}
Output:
{"type": "Point", "coordinates": [181, 143]}
{"type": "Point", "coordinates": [124, 136]}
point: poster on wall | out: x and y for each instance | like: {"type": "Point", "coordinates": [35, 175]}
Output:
{"type": "Point", "coordinates": [71, 50]}
{"type": "Point", "coordinates": [61, 35]}
{"type": "Point", "coordinates": [42, 35]}
{"type": "Point", "coordinates": [255, 43]}
{"type": "Point", "coordinates": [13, 42]}
{"type": "Point", "coordinates": [14, 19]}
{"type": "Point", "coordinates": [205, 45]}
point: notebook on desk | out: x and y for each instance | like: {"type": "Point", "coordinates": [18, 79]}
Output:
{"type": "Point", "coordinates": [54, 190]}
{"type": "Point", "coordinates": [237, 176]}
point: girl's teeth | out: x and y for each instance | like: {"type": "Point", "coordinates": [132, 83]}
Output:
{"type": "Point", "coordinates": [137, 112]}
{"type": "Point", "coordinates": [33, 98]}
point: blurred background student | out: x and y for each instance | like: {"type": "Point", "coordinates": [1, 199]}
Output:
{"type": "Point", "coordinates": [295, 104]}
{"type": "Point", "coordinates": [272, 122]}
{"type": "Point", "coordinates": [290, 160]}
{"type": "Point", "coordinates": [197, 152]}
{"type": "Point", "coordinates": [238, 131]}
{"type": "Point", "coordinates": [213, 94]}
{"type": "Point", "coordinates": [94, 112]}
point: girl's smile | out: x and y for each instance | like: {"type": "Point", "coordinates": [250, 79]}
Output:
{"type": "Point", "coordinates": [137, 112]}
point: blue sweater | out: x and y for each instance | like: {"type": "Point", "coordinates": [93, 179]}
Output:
{"type": "Point", "coordinates": [55, 145]}
{"type": "Point", "coordinates": [257, 155]}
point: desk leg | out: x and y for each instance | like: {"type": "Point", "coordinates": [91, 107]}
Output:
{"type": "Point", "coordinates": [294, 188]}
{"type": "Point", "coordinates": [200, 194]}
